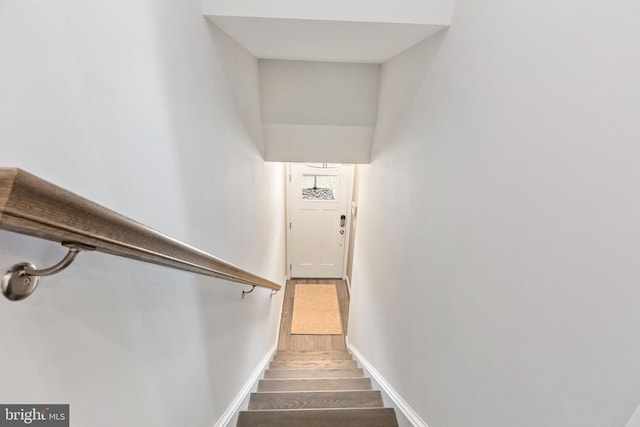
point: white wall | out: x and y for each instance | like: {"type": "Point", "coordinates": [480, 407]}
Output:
{"type": "Point", "coordinates": [318, 111]}
{"type": "Point", "coordinates": [319, 93]}
{"type": "Point", "coordinates": [496, 275]}
{"type": "Point", "coordinates": [318, 144]}
{"type": "Point", "coordinates": [324, 41]}
{"type": "Point", "coordinates": [130, 104]}
{"type": "Point", "coordinates": [396, 11]}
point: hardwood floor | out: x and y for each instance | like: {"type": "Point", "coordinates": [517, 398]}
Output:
{"type": "Point", "coordinates": [313, 342]}
{"type": "Point", "coordinates": [313, 381]}
{"type": "Point", "coordinates": [320, 394]}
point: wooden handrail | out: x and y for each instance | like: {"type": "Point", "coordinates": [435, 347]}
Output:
{"type": "Point", "coordinates": [30, 205]}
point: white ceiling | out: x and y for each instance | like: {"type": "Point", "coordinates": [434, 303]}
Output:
{"type": "Point", "coordinates": [316, 40]}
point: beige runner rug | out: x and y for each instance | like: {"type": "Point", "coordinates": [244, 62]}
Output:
{"type": "Point", "coordinates": [316, 310]}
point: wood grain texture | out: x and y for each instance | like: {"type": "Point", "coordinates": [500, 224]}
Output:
{"type": "Point", "coordinates": [309, 364]}
{"type": "Point", "coordinates": [314, 381]}
{"type": "Point", "coordinates": [313, 355]}
{"type": "Point", "coordinates": [32, 206]}
{"type": "Point", "coordinates": [314, 384]}
{"type": "Point", "coordinates": [316, 399]}
{"type": "Point", "coordinates": [314, 373]}
{"type": "Point", "coordinates": [349, 417]}
{"type": "Point", "coordinates": [7, 178]}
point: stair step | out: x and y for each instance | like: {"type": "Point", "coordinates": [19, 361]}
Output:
{"type": "Point", "coordinates": [314, 373]}
{"type": "Point", "coordinates": [295, 364]}
{"type": "Point", "coordinates": [316, 399]}
{"type": "Point", "coordinates": [313, 355]}
{"type": "Point", "coordinates": [314, 384]}
{"type": "Point", "coordinates": [348, 417]}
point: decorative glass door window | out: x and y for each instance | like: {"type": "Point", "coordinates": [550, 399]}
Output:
{"type": "Point", "coordinates": [320, 187]}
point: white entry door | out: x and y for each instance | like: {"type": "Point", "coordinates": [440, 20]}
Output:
{"type": "Point", "coordinates": [318, 197]}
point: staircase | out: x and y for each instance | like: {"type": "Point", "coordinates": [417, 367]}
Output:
{"type": "Point", "coordinates": [315, 389]}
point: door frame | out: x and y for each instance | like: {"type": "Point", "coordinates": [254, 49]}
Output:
{"type": "Point", "coordinates": [288, 195]}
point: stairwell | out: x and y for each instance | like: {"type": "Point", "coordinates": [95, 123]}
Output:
{"type": "Point", "coordinates": [313, 381]}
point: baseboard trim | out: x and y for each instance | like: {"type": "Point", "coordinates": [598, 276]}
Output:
{"type": "Point", "coordinates": [399, 402]}
{"type": "Point", "coordinates": [246, 389]}
{"type": "Point", "coordinates": [348, 285]}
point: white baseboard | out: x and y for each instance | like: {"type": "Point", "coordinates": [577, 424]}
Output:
{"type": "Point", "coordinates": [398, 401]}
{"type": "Point", "coordinates": [246, 389]}
{"type": "Point", "coordinates": [348, 285]}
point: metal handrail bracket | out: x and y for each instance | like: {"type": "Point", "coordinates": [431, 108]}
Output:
{"type": "Point", "coordinates": [21, 280]}
{"type": "Point", "coordinates": [248, 292]}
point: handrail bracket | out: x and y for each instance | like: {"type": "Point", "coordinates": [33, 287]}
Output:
{"type": "Point", "coordinates": [21, 280]}
{"type": "Point", "coordinates": [248, 292]}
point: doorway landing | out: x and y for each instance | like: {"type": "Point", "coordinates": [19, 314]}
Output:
{"type": "Point", "coordinates": [288, 341]}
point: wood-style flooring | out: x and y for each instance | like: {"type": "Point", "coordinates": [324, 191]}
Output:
{"type": "Point", "coordinates": [313, 381]}
{"type": "Point", "coordinates": [313, 342]}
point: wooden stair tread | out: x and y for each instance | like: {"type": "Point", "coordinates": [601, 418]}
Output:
{"type": "Point", "coordinates": [316, 399]}
{"type": "Point", "coordinates": [344, 417]}
{"type": "Point", "coordinates": [314, 373]}
{"type": "Point", "coordinates": [293, 364]}
{"type": "Point", "coordinates": [313, 355]}
{"type": "Point", "coordinates": [313, 381]}
{"type": "Point", "coordinates": [314, 384]}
